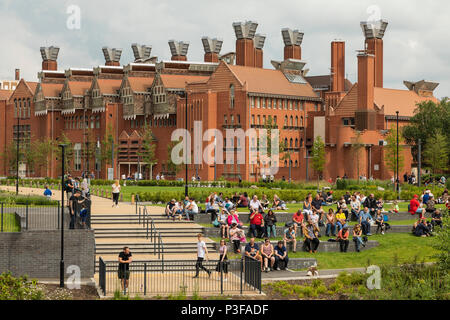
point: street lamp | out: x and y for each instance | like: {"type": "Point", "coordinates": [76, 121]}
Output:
{"type": "Point", "coordinates": [398, 181]}
{"type": "Point", "coordinates": [186, 188]}
{"type": "Point", "coordinates": [61, 263]}
{"type": "Point", "coordinates": [17, 152]}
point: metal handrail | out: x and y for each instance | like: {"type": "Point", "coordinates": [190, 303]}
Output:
{"type": "Point", "coordinates": [155, 235]}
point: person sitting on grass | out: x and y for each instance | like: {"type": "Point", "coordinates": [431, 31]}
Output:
{"type": "Point", "coordinates": [342, 238]}
{"type": "Point", "coordinates": [289, 236]}
{"type": "Point", "coordinates": [340, 220]}
{"type": "Point", "coordinates": [281, 257]}
{"type": "Point", "coordinates": [178, 211]}
{"type": "Point", "coordinates": [357, 237]}
{"type": "Point", "coordinates": [256, 224]}
{"type": "Point", "coordinates": [311, 232]}
{"type": "Point", "coordinates": [235, 236]}
{"type": "Point", "coordinates": [379, 220]}
{"type": "Point", "coordinates": [297, 220]}
{"type": "Point", "coordinates": [267, 254]}
{"type": "Point", "coordinates": [233, 217]}
{"type": "Point", "coordinates": [380, 204]}
{"type": "Point", "coordinates": [264, 202]}
{"type": "Point", "coordinates": [331, 223]}
{"type": "Point", "coordinates": [228, 204]}
{"type": "Point", "coordinates": [170, 209]}
{"type": "Point", "coordinates": [371, 203]}
{"type": "Point", "coordinates": [212, 207]}
{"type": "Point", "coordinates": [252, 251]}
{"type": "Point", "coordinates": [436, 218]}
{"type": "Point", "coordinates": [307, 205]}
{"type": "Point", "coordinates": [278, 204]}
{"type": "Point", "coordinates": [343, 205]}
{"type": "Point", "coordinates": [365, 220]}
{"type": "Point", "coordinates": [191, 210]}
{"type": "Point", "coordinates": [317, 207]}
{"type": "Point", "coordinates": [243, 201]}
{"type": "Point", "coordinates": [431, 205]}
{"type": "Point", "coordinates": [270, 221]}
{"type": "Point", "coordinates": [421, 229]}
{"type": "Point", "coordinates": [255, 204]}
{"type": "Point", "coordinates": [395, 208]}
{"type": "Point", "coordinates": [223, 224]}
{"type": "Point", "coordinates": [415, 206]}
{"type": "Point", "coordinates": [355, 206]}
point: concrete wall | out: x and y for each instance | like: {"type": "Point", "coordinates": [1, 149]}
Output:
{"type": "Point", "coordinates": [37, 253]}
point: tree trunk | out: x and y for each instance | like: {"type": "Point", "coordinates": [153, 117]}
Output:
{"type": "Point", "coordinates": [151, 171]}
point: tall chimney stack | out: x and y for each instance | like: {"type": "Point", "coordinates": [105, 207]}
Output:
{"type": "Point", "coordinates": [112, 56]}
{"type": "Point", "coordinates": [49, 58]}
{"type": "Point", "coordinates": [374, 33]}
{"type": "Point", "coordinates": [141, 52]}
{"type": "Point", "coordinates": [17, 75]}
{"type": "Point", "coordinates": [292, 43]}
{"type": "Point", "coordinates": [338, 66]}
{"type": "Point", "coordinates": [179, 50]}
{"type": "Point", "coordinates": [259, 44]}
{"type": "Point", "coordinates": [212, 49]}
{"type": "Point", "coordinates": [365, 115]}
{"type": "Point", "coordinates": [245, 47]}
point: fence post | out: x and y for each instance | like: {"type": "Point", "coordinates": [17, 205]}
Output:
{"type": "Point", "coordinates": [145, 278]}
{"type": "Point", "coordinates": [221, 277]}
{"type": "Point", "coordinates": [59, 213]}
{"type": "Point", "coordinates": [1, 228]}
{"type": "Point", "coordinates": [242, 268]}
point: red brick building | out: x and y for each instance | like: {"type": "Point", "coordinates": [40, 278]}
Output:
{"type": "Point", "coordinates": [85, 104]}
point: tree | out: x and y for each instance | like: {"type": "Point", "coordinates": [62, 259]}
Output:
{"type": "Point", "coordinates": [357, 146]}
{"type": "Point", "coordinates": [318, 158]}
{"type": "Point", "coordinates": [68, 153]}
{"type": "Point", "coordinates": [390, 152]}
{"type": "Point", "coordinates": [43, 150]}
{"type": "Point", "coordinates": [429, 119]}
{"type": "Point", "coordinates": [9, 156]}
{"type": "Point", "coordinates": [108, 148]}
{"type": "Point", "coordinates": [172, 167]}
{"type": "Point", "coordinates": [148, 145]}
{"type": "Point", "coordinates": [90, 148]}
{"type": "Point", "coordinates": [436, 153]}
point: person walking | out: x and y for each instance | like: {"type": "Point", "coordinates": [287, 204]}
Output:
{"type": "Point", "coordinates": [116, 193]}
{"type": "Point", "coordinates": [125, 258]}
{"type": "Point", "coordinates": [202, 252]}
{"type": "Point", "coordinates": [222, 265]}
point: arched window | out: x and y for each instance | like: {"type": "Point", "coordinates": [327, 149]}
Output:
{"type": "Point", "coordinates": [285, 163]}
{"type": "Point", "coordinates": [15, 108]}
{"type": "Point", "coordinates": [291, 121]}
{"type": "Point", "coordinates": [296, 163]}
{"type": "Point", "coordinates": [285, 120]}
{"type": "Point", "coordinates": [296, 121]}
{"type": "Point", "coordinates": [301, 142]}
{"type": "Point", "coordinates": [291, 143]}
{"type": "Point", "coordinates": [285, 142]}
{"type": "Point", "coordinates": [296, 142]}
{"type": "Point", "coordinates": [231, 96]}
{"type": "Point", "coordinates": [301, 121]}
{"type": "Point", "coordinates": [275, 120]}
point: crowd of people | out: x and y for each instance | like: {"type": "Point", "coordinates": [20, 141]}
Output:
{"type": "Point", "coordinates": [78, 199]}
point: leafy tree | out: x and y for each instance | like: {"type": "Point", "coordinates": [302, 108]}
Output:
{"type": "Point", "coordinates": [108, 148]}
{"type": "Point", "coordinates": [9, 156]}
{"type": "Point", "coordinates": [357, 146]}
{"type": "Point", "coordinates": [172, 167]}
{"type": "Point", "coordinates": [148, 145]}
{"type": "Point", "coordinates": [90, 148]}
{"type": "Point", "coordinates": [390, 152]}
{"type": "Point", "coordinates": [318, 158]}
{"type": "Point", "coordinates": [429, 119]}
{"type": "Point", "coordinates": [68, 152]}
{"type": "Point", "coordinates": [436, 153]}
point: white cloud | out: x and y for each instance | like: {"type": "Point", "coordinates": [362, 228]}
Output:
{"type": "Point", "coordinates": [415, 45]}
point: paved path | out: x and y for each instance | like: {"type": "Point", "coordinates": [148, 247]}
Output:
{"type": "Point", "coordinates": [301, 275]}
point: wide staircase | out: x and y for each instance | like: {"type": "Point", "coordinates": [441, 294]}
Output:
{"type": "Point", "coordinates": [150, 236]}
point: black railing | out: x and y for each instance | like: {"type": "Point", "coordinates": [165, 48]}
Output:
{"type": "Point", "coordinates": [152, 232]}
{"type": "Point", "coordinates": [156, 278]}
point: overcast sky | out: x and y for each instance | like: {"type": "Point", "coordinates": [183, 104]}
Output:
{"type": "Point", "coordinates": [416, 43]}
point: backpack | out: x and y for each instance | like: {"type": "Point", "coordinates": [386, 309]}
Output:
{"type": "Point", "coordinates": [289, 224]}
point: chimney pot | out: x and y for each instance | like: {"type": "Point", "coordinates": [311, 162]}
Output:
{"type": "Point", "coordinates": [142, 53]}
{"type": "Point", "coordinates": [212, 49]}
{"type": "Point", "coordinates": [112, 56]}
{"type": "Point", "coordinates": [17, 75]}
{"type": "Point", "coordinates": [292, 43]}
{"type": "Point", "coordinates": [245, 45]}
{"type": "Point", "coordinates": [49, 58]}
{"type": "Point", "coordinates": [179, 50]}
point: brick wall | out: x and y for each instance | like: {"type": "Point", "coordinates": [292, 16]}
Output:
{"type": "Point", "coordinates": [37, 253]}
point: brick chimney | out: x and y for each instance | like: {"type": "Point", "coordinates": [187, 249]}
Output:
{"type": "Point", "coordinates": [292, 43]}
{"type": "Point", "coordinates": [49, 58]}
{"type": "Point", "coordinates": [212, 49]}
{"type": "Point", "coordinates": [17, 75]}
{"type": "Point", "coordinates": [365, 115]}
{"type": "Point", "coordinates": [112, 56]}
{"type": "Point", "coordinates": [245, 47]}
{"type": "Point", "coordinates": [259, 45]}
{"type": "Point", "coordinates": [141, 52]}
{"type": "Point", "coordinates": [338, 66]}
{"type": "Point", "coordinates": [374, 33]}
{"type": "Point", "coordinates": [179, 50]}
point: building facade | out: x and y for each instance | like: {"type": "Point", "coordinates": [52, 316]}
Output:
{"type": "Point", "coordinates": [232, 93]}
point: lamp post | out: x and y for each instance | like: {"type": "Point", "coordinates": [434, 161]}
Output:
{"type": "Point", "coordinates": [419, 162]}
{"type": "Point", "coordinates": [61, 263]}
{"type": "Point", "coordinates": [398, 181]}
{"type": "Point", "coordinates": [186, 188]}
{"type": "Point", "coordinates": [17, 153]}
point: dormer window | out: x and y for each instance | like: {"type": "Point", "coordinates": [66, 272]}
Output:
{"type": "Point", "coordinates": [159, 94]}
{"type": "Point", "coordinates": [231, 96]}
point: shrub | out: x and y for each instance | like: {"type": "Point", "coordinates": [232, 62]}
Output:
{"type": "Point", "coordinates": [21, 288]}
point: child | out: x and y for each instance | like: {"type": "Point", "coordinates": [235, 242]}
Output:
{"type": "Point", "coordinates": [395, 208]}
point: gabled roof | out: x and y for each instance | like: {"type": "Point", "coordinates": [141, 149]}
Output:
{"type": "Point", "coordinates": [52, 89]}
{"type": "Point", "coordinates": [109, 86]}
{"type": "Point", "coordinates": [32, 85]}
{"type": "Point", "coordinates": [79, 88]}
{"type": "Point", "coordinates": [5, 94]}
{"type": "Point", "coordinates": [394, 100]}
{"type": "Point", "coordinates": [268, 81]}
{"type": "Point", "coordinates": [178, 81]}
{"type": "Point", "coordinates": [140, 84]}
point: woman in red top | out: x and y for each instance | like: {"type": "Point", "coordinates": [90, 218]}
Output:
{"type": "Point", "coordinates": [256, 224]}
{"type": "Point", "coordinates": [414, 206]}
{"type": "Point", "coordinates": [342, 238]}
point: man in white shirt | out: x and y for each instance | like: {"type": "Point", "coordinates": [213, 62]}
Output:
{"type": "Point", "coordinates": [192, 209]}
{"type": "Point", "coordinates": [202, 251]}
{"type": "Point", "coordinates": [255, 204]}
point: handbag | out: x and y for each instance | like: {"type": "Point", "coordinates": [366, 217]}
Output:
{"type": "Point", "coordinates": [216, 223]}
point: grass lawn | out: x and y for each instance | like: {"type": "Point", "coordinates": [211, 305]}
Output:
{"type": "Point", "coordinates": [9, 223]}
{"type": "Point", "coordinates": [401, 246]}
